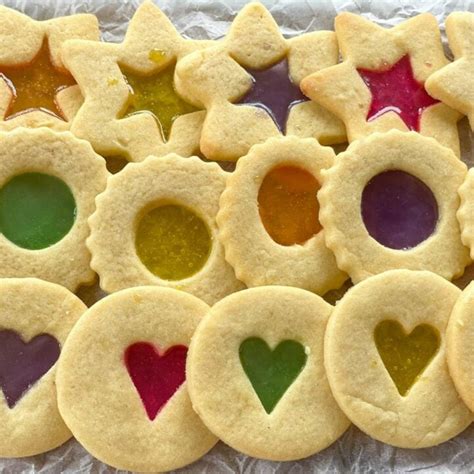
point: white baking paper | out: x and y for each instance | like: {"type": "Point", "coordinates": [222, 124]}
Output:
{"type": "Point", "coordinates": [353, 452]}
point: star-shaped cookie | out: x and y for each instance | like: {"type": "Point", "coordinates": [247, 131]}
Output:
{"type": "Point", "coordinates": [454, 83]}
{"type": "Point", "coordinates": [379, 85]}
{"type": "Point", "coordinates": [36, 88]}
{"type": "Point", "coordinates": [131, 108]}
{"type": "Point", "coordinates": [249, 85]}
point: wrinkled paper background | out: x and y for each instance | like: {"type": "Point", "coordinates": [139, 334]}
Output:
{"type": "Point", "coordinates": [354, 451]}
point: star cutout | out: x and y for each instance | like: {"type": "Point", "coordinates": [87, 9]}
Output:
{"type": "Point", "coordinates": [396, 90]}
{"type": "Point", "coordinates": [157, 94]}
{"type": "Point", "coordinates": [35, 85]}
{"type": "Point", "coordinates": [274, 91]}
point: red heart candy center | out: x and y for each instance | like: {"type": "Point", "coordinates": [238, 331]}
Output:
{"type": "Point", "coordinates": [156, 376]}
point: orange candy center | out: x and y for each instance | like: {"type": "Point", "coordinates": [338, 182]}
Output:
{"type": "Point", "coordinates": [288, 205]}
{"type": "Point", "coordinates": [35, 85]}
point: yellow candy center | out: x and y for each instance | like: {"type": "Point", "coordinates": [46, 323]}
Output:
{"type": "Point", "coordinates": [288, 205]}
{"type": "Point", "coordinates": [405, 356]}
{"type": "Point", "coordinates": [156, 94]}
{"type": "Point", "coordinates": [35, 85]}
{"type": "Point", "coordinates": [172, 242]}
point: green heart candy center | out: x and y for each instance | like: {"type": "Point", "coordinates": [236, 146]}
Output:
{"type": "Point", "coordinates": [405, 356]}
{"type": "Point", "coordinates": [271, 372]}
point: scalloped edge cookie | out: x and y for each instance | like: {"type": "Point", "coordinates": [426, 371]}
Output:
{"type": "Point", "coordinates": [356, 252]}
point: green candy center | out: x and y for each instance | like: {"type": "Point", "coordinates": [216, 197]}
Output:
{"type": "Point", "coordinates": [271, 372]}
{"type": "Point", "coordinates": [36, 210]}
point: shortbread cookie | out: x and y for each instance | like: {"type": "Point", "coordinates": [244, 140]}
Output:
{"type": "Point", "coordinates": [380, 83]}
{"type": "Point", "coordinates": [48, 185]}
{"type": "Point", "coordinates": [268, 218]}
{"type": "Point", "coordinates": [249, 85]}
{"type": "Point", "coordinates": [466, 211]}
{"type": "Point", "coordinates": [131, 107]}
{"type": "Point", "coordinates": [390, 202]}
{"type": "Point", "coordinates": [156, 225]}
{"type": "Point", "coordinates": [122, 385]}
{"type": "Point", "coordinates": [35, 320]}
{"type": "Point", "coordinates": [459, 340]}
{"type": "Point", "coordinates": [256, 376]}
{"type": "Point", "coordinates": [385, 359]}
{"type": "Point", "coordinates": [454, 83]}
{"type": "Point", "coordinates": [36, 88]}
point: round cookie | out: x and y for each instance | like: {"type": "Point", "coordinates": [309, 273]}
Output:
{"type": "Point", "coordinates": [35, 320]}
{"type": "Point", "coordinates": [249, 84]}
{"type": "Point", "coordinates": [36, 88]}
{"type": "Point", "coordinates": [380, 83]}
{"type": "Point", "coordinates": [385, 358]}
{"type": "Point", "coordinates": [48, 185]}
{"type": "Point", "coordinates": [155, 225]}
{"type": "Point", "coordinates": [268, 217]}
{"type": "Point", "coordinates": [121, 381]}
{"type": "Point", "coordinates": [389, 202]}
{"type": "Point", "coordinates": [459, 337]}
{"type": "Point", "coordinates": [466, 211]}
{"type": "Point", "coordinates": [256, 376]}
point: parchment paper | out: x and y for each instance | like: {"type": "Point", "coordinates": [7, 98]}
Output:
{"type": "Point", "coordinates": [354, 451]}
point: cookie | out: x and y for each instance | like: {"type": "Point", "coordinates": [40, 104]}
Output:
{"type": "Point", "coordinates": [36, 88]}
{"type": "Point", "coordinates": [156, 225]}
{"type": "Point", "coordinates": [35, 320]}
{"type": "Point", "coordinates": [390, 201]}
{"type": "Point", "coordinates": [48, 184]}
{"type": "Point", "coordinates": [249, 85]}
{"type": "Point", "coordinates": [379, 85]}
{"type": "Point", "coordinates": [454, 83]}
{"type": "Point", "coordinates": [256, 376]}
{"type": "Point", "coordinates": [131, 107]}
{"type": "Point", "coordinates": [459, 337]}
{"type": "Point", "coordinates": [268, 218]}
{"type": "Point", "coordinates": [385, 358]}
{"type": "Point", "coordinates": [121, 381]}
{"type": "Point", "coordinates": [466, 211]}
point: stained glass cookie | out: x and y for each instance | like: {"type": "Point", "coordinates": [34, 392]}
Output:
{"type": "Point", "coordinates": [379, 85]}
{"type": "Point", "coordinates": [36, 88]}
{"type": "Point", "coordinates": [35, 320]}
{"type": "Point", "coordinates": [156, 225]}
{"type": "Point", "coordinates": [385, 358]}
{"type": "Point", "coordinates": [48, 184]}
{"type": "Point", "coordinates": [454, 83]}
{"type": "Point", "coordinates": [390, 201]}
{"type": "Point", "coordinates": [121, 381]}
{"type": "Point", "coordinates": [131, 107]}
{"type": "Point", "coordinates": [269, 217]}
{"type": "Point", "coordinates": [256, 376]}
{"type": "Point", "coordinates": [466, 211]}
{"type": "Point", "coordinates": [249, 85]}
{"type": "Point", "coordinates": [459, 340]}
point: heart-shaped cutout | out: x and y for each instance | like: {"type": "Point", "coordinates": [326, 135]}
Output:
{"type": "Point", "coordinates": [405, 356]}
{"type": "Point", "coordinates": [22, 364]}
{"type": "Point", "coordinates": [271, 372]}
{"type": "Point", "coordinates": [156, 376]}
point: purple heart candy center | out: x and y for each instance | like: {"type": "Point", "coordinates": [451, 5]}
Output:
{"type": "Point", "coordinates": [22, 364]}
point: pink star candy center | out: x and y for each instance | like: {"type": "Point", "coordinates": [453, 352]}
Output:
{"type": "Point", "coordinates": [396, 90]}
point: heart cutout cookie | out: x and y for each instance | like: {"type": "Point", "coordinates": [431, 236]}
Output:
{"type": "Point", "coordinates": [271, 372]}
{"type": "Point", "coordinates": [405, 356]}
{"type": "Point", "coordinates": [22, 364]}
{"type": "Point", "coordinates": [156, 376]}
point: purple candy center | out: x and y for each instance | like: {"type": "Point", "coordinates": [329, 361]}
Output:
{"type": "Point", "coordinates": [398, 210]}
{"type": "Point", "coordinates": [274, 91]}
{"type": "Point", "coordinates": [22, 364]}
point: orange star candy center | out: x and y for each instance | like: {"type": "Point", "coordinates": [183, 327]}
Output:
{"type": "Point", "coordinates": [34, 85]}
